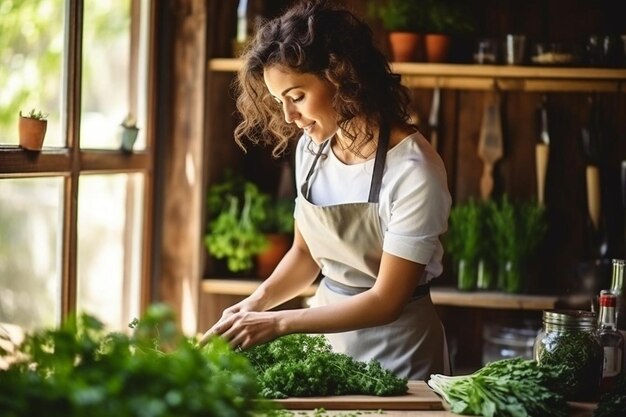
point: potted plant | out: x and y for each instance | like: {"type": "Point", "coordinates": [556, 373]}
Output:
{"type": "Point", "coordinates": [404, 20]}
{"type": "Point", "coordinates": [516, 230]}
{"type": "Point", "coordinates": [463, 241]}
{"type": "Point", "coordinates": [444, 19]}
{"type": "Point", "coordinates": [237, 208]}
{"type": "Point", "coordinates": [32, 129]}
{"type": "Point", "coordinates": [128, 133]}
{"type": "Point", "coordinates": [278, 229]}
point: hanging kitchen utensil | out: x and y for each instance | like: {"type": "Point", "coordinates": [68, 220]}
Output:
{"type": "Point", "coordinates": [590, 136]}
{"type": "Point", "coordinates": [490, 146]}
{"type": "Point", "coordinates": [623, 178]}
{"type": "Point", "coordinates": [542, 150]}
{"type": "Point", "coordinates": [433, 119]}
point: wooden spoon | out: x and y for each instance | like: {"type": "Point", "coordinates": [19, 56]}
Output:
{"type": "Point", "coordinates": [490, 147]}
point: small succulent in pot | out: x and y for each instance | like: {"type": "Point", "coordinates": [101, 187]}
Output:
{"type": "Point", "coordinates": [128, 134]}
{"type": "Point", "coordinates": [32, 129]}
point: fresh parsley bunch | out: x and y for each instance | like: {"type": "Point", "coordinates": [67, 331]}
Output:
{"type": "Point", "coordinates": [79, 370]}
{"type": "Point", "coordinates": [301, 365]}
{"type": "Point", "coordinates": [505, 388]}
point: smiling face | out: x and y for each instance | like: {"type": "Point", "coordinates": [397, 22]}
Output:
{"type": "Point", "coordinates": [306, 100]}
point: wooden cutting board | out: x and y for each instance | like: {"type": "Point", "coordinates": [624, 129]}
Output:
{"type": "Point", "coordinates": [419, 397]}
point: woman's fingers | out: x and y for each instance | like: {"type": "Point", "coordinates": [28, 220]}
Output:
{"type": "Point", "coordinates": [217, 329]}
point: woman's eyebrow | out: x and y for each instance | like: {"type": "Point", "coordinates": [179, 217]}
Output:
{"type": "Point", "coordinates": [289, 89]}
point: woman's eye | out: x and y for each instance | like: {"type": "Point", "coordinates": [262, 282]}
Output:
{"type": "Point", "coordinates": [297, 99]}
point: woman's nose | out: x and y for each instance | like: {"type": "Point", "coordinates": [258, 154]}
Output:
{"type": "Point", "coordinates": [290, 112]}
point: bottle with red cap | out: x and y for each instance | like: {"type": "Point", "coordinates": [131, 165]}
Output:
{"type": "Point", "coordinates": [611, 340]}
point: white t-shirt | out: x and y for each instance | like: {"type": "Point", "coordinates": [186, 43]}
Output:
{"type": "Point", "coordinates": [414, 201]}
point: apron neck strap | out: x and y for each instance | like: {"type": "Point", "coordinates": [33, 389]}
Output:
{"type": "Point", "coordinates": [379, 163]}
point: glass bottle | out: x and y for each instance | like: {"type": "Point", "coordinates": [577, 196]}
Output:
{"type": "Point", "coordinates": [611, 340]}
{"type": "Point", "coordinates": [569, 337]}
{"type": "Point", "coordinates": [617, 288]}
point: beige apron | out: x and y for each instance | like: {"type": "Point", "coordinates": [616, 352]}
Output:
{"type": "Point", "coordinates": [346, 242]}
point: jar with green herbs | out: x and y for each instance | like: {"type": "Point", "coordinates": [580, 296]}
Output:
{"type": "Point", "coordinates": [569, 338]}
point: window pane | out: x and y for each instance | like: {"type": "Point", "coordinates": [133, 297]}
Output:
{"type": "Point", "coordinates": [31, 62]}
{"type": "Point", "coordinates": [106, 72]}
{"type": "Point", "coordinates": [110, 210]}
{"type": "Point", "coordinates": [30, 236]}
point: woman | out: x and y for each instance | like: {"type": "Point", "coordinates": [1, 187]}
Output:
{"type": "Point", "coordinates": [372, 195]}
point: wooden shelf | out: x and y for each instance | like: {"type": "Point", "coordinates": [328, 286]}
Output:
{"type": "Point", "coordinates": [487, 77]}
{"type": "Point", "coordinates": [440, 296]}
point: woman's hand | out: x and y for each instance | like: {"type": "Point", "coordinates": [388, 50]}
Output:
{"type": "Point", "coordinates": [245, 329]}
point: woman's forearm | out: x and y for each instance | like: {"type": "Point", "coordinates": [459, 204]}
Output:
{"type": "Point", "coordinates": [381, 304]}
{"type": "Point", "coordinates": [294, 274]}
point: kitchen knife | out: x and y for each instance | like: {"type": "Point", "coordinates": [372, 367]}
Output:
{"type": "Point", "coordinates": [623, 175]}
{"type": "Point", "coordinates": [433, 118]}
{"type": "Point", "coordinates": [542, 151]}
{"type": "Point", "coordinates": [591, 141]}
{"type": "Point", "coordinates": [490, 147]}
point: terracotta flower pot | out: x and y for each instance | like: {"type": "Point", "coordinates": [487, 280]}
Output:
{"type": "Point", "coordinates": [437, 47]}
{"type": "Point", "coordinates": [267, 260]}
{"type": "Point", "coordinates": [405, 46]}
{"type": "Point", "coordinates": [32, 133]}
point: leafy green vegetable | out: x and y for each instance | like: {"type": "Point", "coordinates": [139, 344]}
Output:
{"type": "Point", "coordinates": [613, 403]}
{"type": "Point", "coordinates": [509, 387]}
{"type": "Point", "coordinates": [300, 365]}
{"type": "Point", "coordinates": [78, 370]}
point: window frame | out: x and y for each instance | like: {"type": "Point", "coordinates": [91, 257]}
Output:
{"type": "Point", "coordinates": [71, 162]}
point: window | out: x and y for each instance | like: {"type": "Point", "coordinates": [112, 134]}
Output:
{"type": "Point", "coordinates": [73, 217]}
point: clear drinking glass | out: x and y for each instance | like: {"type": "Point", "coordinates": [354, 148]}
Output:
{"type": "Point", "coordinates": [515, 49]}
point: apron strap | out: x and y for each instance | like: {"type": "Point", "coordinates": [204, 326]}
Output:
{"type": "Point", "coordinates": [379, 163]}
{"type": "Point", "coordinates": [308, 175]}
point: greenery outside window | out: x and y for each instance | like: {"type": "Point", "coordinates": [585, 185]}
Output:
{"type": "Point", "coordinates": [73, 217]}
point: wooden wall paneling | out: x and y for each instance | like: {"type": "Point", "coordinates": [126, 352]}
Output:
{"type": "Point", "coordinates": [469, 167]}
{"type": "Point", "coordinates": [516, 172]}
{"type": "Point", "coordinates": [183, 194]}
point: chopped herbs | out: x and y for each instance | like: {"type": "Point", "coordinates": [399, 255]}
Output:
{"type": "Point", "coordinates": [582, 356]}
{"type": "Point", "coordinates": [509, 387]}
{"type": "Point", "coordinates": [303, 366]}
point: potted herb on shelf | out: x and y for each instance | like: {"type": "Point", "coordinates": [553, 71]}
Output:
{"type": "Point", "coordinates": [516, 231]}
{"type": "Point", "coordinates": [32, 129]}
{"type": "Point", "coordinates": [445, 19]}
{"type": "Point", "coordinates": [404, 21]}
{"type": "Point", "coordinates": [237, 208]}
{"type": "Point", "coordinates": [278, 229]}
{"type": "Point", "coordinates": [463, 241]}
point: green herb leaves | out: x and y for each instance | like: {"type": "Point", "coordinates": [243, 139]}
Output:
{"type": "Point", "coordinates": [303, 366]}
{"type": "Point", "coordinates": [78, 370]}
{"type": "Point", "coordinates": [509, 387]}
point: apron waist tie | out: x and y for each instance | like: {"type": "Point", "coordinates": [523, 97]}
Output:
{"type": "Point", "coordinates": [343, 289]}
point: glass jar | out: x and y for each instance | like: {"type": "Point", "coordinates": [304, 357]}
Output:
{"type": "Point", "coordinates": [568, 337]}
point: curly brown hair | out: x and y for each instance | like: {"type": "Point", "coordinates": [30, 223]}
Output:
{"type": "Point", "coordinates": [330, 42]}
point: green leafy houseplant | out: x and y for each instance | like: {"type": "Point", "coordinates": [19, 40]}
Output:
{"type": "Point", "coordinates": [399, 15]}
{"type": "Point", "coordinates": [237, 208]}
{"type": "Point", "coordinates": [463, 241]}
{"type": "Point", "coordinates": [516, 230]}
{"type": "Point", "coordinates": [450, 17]}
